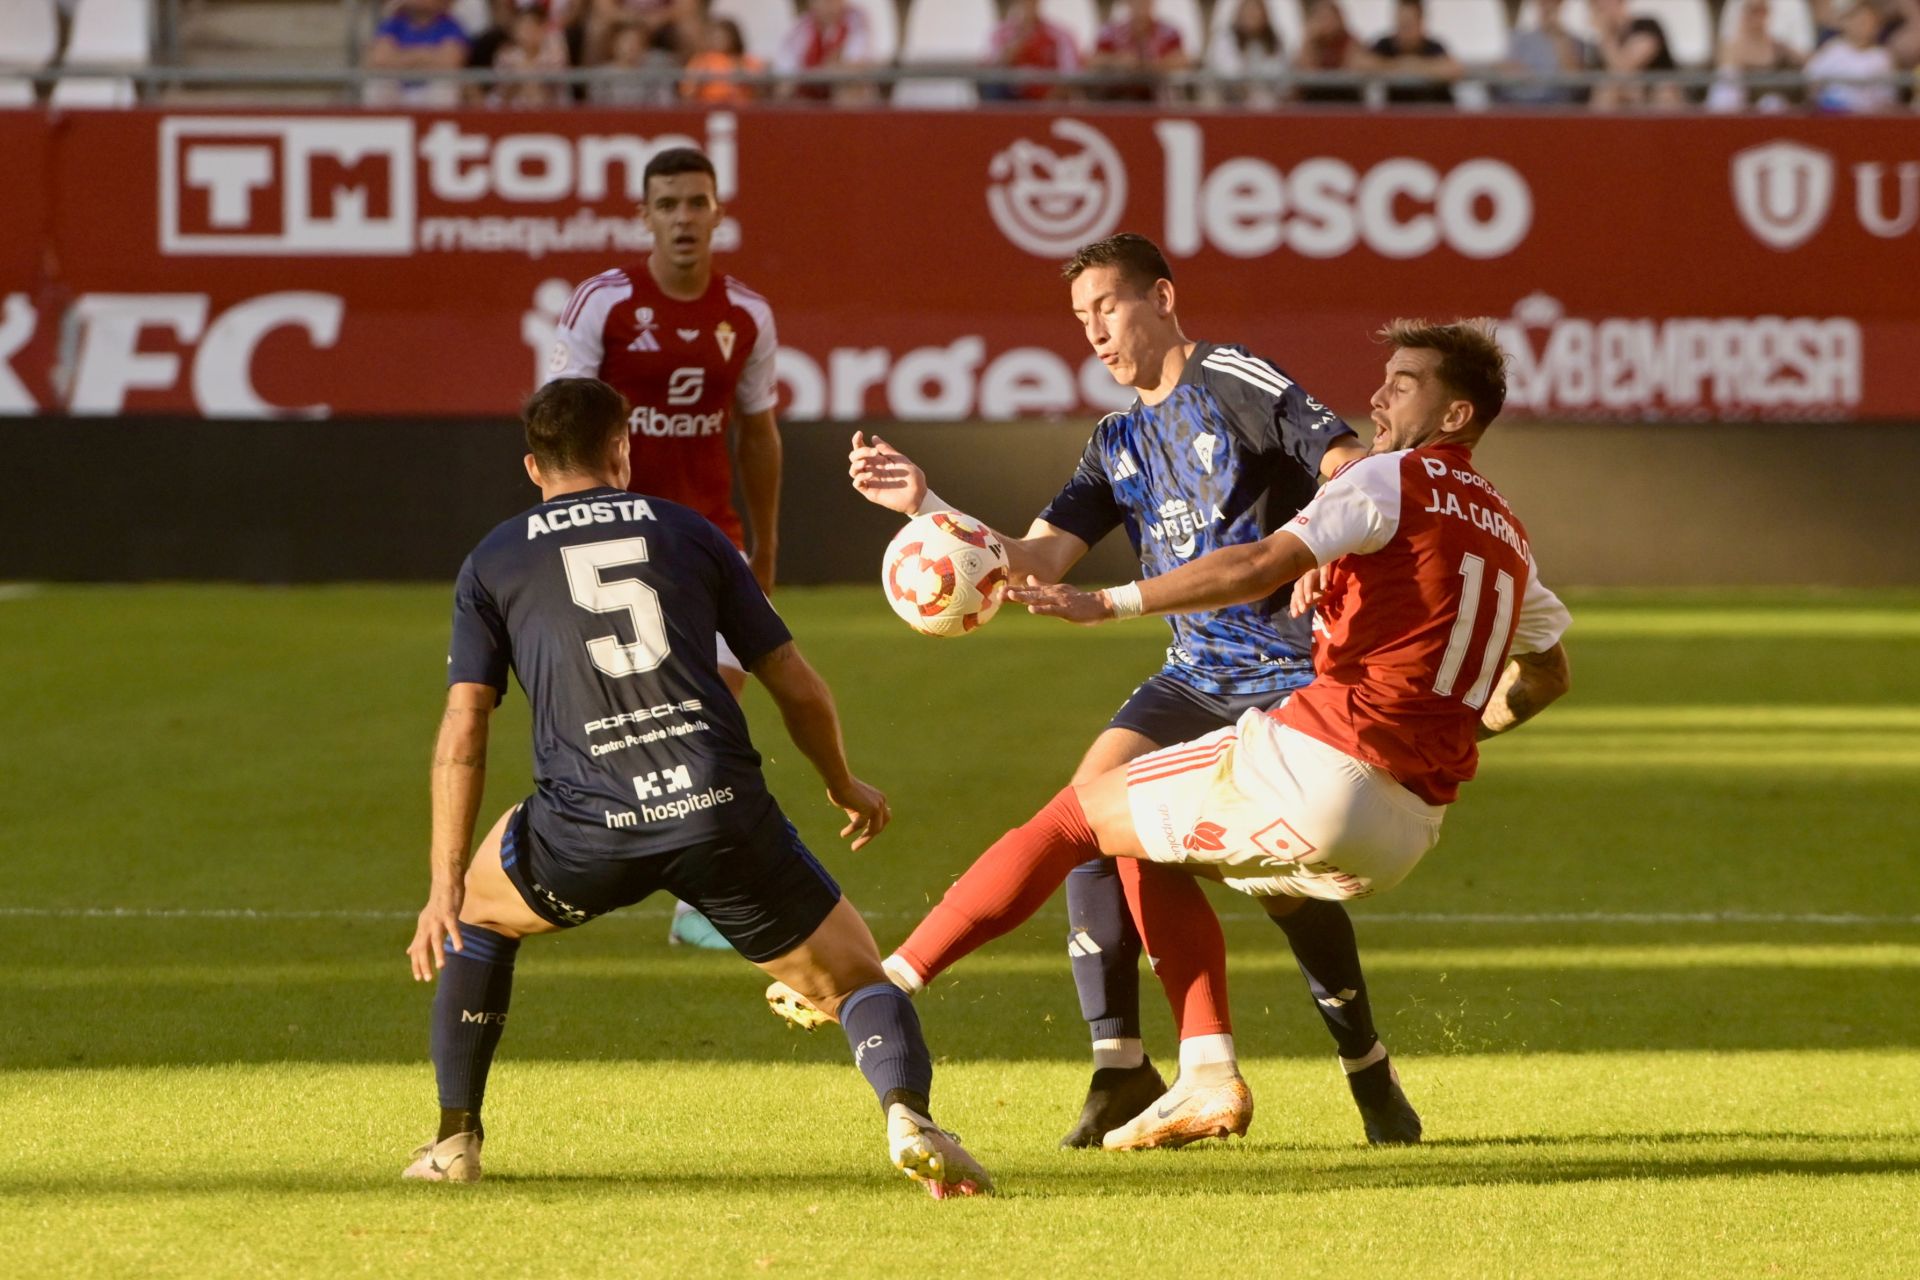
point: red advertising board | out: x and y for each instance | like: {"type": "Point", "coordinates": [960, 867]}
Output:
{"type": "Point", "coordinates": [240, 265]}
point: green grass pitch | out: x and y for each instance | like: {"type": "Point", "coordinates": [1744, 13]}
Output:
{"type": "Point", "coordinates": [1656, 994]}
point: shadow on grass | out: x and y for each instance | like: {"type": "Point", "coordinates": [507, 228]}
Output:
{"type": "Point", "coordinates": [709, 1010]}
{"type": "Point", "coordinates": [1238, 1170]}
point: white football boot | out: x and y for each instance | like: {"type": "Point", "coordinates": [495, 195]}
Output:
{"type": "Point", "coordinates": [455, 1159]}
{"type": "Point", "coordinates": [933, 1157]}
{"type": "Point", "coordinates": [1187, 1113]}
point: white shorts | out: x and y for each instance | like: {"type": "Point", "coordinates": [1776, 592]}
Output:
{"type": "Point", "coordinates": [1283, 811]}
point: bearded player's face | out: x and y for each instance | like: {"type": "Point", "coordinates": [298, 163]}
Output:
{"type": "Point", "coordinates": [1411, 405]}
{"type": "Point", "coordinates": [1128, 330]}
{"type": "Point", "coordinates": [682, 211]}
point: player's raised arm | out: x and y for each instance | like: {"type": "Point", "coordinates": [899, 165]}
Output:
{"type": "Point", "coordinates": [456, 780]}
{"type": "Point", "coordinates": [813, 722]}
{"type": "Point", "coordinates": [886, 477]}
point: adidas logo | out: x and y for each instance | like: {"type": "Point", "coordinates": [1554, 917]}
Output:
{"type": "Point", "coordinates": [1124, 467]}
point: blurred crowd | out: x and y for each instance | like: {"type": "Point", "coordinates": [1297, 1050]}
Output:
{"type": "Point", "coordinates": [1863, 56]}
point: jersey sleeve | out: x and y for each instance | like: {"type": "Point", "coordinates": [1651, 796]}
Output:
{"type": "Point", "coordinates": [745, 616]}
{"type": "Point", "coordinates": [1271, 409]}
{"type": "Point", "coordinates": [579, 339]}
{"type": "Point", "coordinates": [1543, 618]}
{"type": "Point", "coordinates": [479, 652]}
{"type": "Point", "coordinates": [1086, 506]}
{"type": "Point", "coordinates": [758, 389]}
{"type": "Point", "coordinates": [1355, 513]}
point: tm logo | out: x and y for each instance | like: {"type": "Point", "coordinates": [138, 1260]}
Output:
{"type": "Point", "coordinates": [663, 782]}
{"type": "Point", "coordinates": [318, 185]}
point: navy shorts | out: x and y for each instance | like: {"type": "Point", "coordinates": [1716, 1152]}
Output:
{"type": "Point", "coordinates": [1170, 711]}
{"type": "Point", "coordinates": [763, 890]}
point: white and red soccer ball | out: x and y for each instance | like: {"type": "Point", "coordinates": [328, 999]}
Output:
{"type": "Point", "coordinates": [945, 574]}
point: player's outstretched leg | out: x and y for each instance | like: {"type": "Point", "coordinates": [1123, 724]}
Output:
{"type": "Point", "coordinates": [1105, 950]}
{"type": "Point", "coordinates": [1321, 935]}
{"type": "Point", "coordinates": [837, 971]}
{"type": "Point", "coordinates": [1182, 934]}
{"type": "Point", "coordinates": [469, 1015]}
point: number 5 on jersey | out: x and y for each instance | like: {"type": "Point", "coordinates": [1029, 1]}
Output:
{"type": "Point", "coordinates": [639, 601]}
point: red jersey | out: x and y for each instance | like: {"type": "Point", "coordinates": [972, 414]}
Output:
{"type": "Point", "coordinates": [1431, 586]}
{"type": "Point", "coordinates": [1043, 47]}
{"type": "Point", "coordinates": [684, 367]}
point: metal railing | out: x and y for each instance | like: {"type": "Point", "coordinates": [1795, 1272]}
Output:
{"type": "Point", "coordinates": [1497, 84]}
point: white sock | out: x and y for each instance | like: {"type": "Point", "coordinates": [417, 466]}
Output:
{"type": "Point", "coordinates": [901, 974]}
{"type": "Point", "coordinates": [1207, 1058]}
{"type": "Point", "coordinates": [1373, 1055]}
{"type": "Point", "coordinates": [1118, 1053]}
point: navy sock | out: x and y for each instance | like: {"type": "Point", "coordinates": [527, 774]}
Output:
{"type": "Point", "coordinates": [469, 1013]}
{"type": "Point", "coordinates": [1105, 949]}
{"type": "Point", "coordinates": [884, 1033]}
{"type": "Point", "coordinates": [1321, 934]}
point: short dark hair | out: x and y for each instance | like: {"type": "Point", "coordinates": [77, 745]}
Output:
{"type": "Point", "coordinates": [1138, 259]}
{"type": "Point", "coordinates": [674, 161]}
{"type": "Point", "coordinates": [569, 422]}
{"type": "Point", "coordinates": [1472, 364]}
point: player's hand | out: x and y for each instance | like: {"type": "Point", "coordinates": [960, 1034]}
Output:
{"type": "Point", "coordinates": [1308, 590]}
{"type": "Point", "coordinates": [760, 562]}
{"type": "Point", "coordinates": [1058, 600]}
{"type": "Point", "coordinates": [885, 476]}
{"type": "Point", "coordinates": [866, 810]}
{"type": "Point", "coordinates": [439, 921]}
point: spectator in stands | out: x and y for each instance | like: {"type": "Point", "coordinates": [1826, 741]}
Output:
{"type": "Point", "coordinates": [1249, 46]}
{"type": "Point", "coordinates": [652, 57]}
{"type": "Point", "coordinates": [1547, 48]}
{"type": "Point", "coordinates": [1899, 26]}
{"type": "Point", "coordinates": [722, 52]}
{"type": "Point", "coordinates": [1750, 50]}
{"type": "Point", "coordinates": [1139, 47]}
{"type": "Point", "coordinates": [1410, 51]}
{"type": "Point", "coordinates": [831, 35]}
{"type": "Point", "coordinates": [1856, 53]}
{"type": "Point", "coordinates": [419, 36]}
{"type": "Point", "coordinates": [1327, 45]}
{"type": "Point", "coordinates": [1027, 40]}
{"type": "Point", "coordinates": [533, 46]}
{"type": "Point", "coordinates": [604, 18]}
{"type": "Point", "coordinates": [1630, 47]}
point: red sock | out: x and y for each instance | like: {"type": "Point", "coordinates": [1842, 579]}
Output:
{"type": "Point", "coordinates": [1004, 886]}
{"type": "Point", "coordinates": [1183, 941]}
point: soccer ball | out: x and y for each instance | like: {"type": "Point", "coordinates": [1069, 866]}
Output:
{"type": "Point", "coordinates": [945, 574]}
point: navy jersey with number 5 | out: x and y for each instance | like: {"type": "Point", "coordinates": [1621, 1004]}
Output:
{"type": "Point", "coordinates": [1230, 456]}
{"type": "Point", "coordinates": [605, 605]}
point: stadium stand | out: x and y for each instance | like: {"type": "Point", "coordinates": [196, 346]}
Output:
{"type": "Point", "coordinates": [1574, 16]}
{"type": "Point", "coordinates": [883, 16]}
{"type": "Point", "coordinates": [1368, 20]}
{"type": "Point", "coordinates": [29, 39]}
{"type": "Point", "coordinates": [1185, 17]}
{"type": "Point", "coordinates": [1080, 17]}
{"type": "Point", "coordinates": [1473, 30]}
{"type": "Point", "coordinates": [105, 33]}
{"type": "Point", "coordinates": [1788, 21]}
{"type": "Point", "coordinates": [1284, 14]}
{"type": "Point", "coordinates": [762, 22]}
{"type": "Point", "coordinates": [943, 31]}
{"type": "Point", "coordinates": [1688, 26]}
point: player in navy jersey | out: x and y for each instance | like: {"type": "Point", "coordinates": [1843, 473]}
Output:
{"type": "Point", "coordinates": [605, 604]}
{"type": "Point", "coordinates": [692, 349]}
{"type": "Point", "coordinates": [1221, 448]}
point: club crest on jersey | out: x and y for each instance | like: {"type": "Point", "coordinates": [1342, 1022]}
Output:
{"type": "Point", "coordinates": [724, 335]}
{"type": "Point", "coordinates": [643, 319]}
{"type": "Point", "coordinates": [1203, 446]}
{"type": "Point", "coordinates": [558, 360]}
